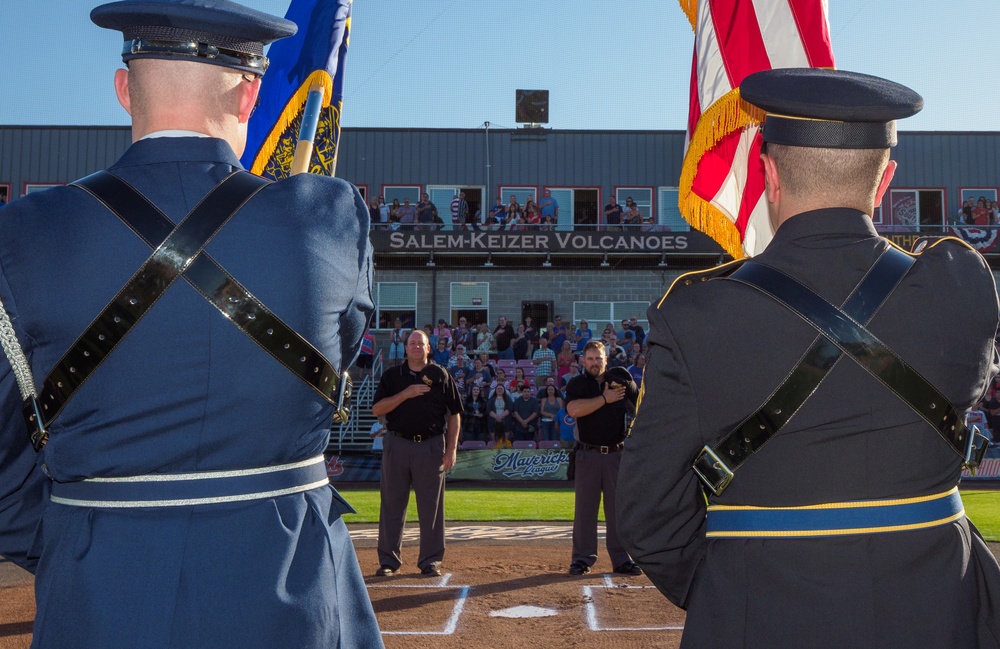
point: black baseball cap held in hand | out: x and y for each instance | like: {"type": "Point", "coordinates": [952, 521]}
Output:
{"type": "Point", "coordinates": [218, 32]}
{"type": "Point", "coordinates": [834, 109]}
{"type": "Point", "coordinates": [432, 375]}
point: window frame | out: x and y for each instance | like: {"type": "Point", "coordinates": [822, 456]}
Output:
{"type": "Point", "coordinates": [379, 308]}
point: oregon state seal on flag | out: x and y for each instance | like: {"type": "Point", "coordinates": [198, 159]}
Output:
{"type": "Point", "coordinates": [314, 56]}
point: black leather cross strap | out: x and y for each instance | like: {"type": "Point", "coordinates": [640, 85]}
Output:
{"type": "Point", "coordinates": [840, 328]}
{"type": "Point", "coordinates": [715, 465]}
{"type": "Point", "coordinates": [230, 297]}
{"type": "Point", "coordinates": [171, 257]}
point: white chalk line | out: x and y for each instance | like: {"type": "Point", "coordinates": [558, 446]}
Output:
{"type": "Point", "coordinates": [463, 592]}
{"type": "Point", "coordinates": [591, 609]}
{"type": "Point", "coordinates": [452, 623]}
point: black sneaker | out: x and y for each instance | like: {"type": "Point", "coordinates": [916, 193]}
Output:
{"type": "Point", "coordinates": [629, 568]}
{"type": "Point", "coordinates": [579, 568]}
{"type": "Point", "coordinates": [433, 570]}
{"type": "Point", "coordinates": [386, 571]}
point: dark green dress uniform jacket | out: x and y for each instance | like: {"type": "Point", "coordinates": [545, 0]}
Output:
{"type": "Point", "coordinates": [719, 349]}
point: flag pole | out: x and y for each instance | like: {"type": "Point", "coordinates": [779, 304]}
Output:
{"type": "Point", "coordinates": [307, 132]}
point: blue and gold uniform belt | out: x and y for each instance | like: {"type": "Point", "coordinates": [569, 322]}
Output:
{"type": "Point", "coordinates": [835, 519]}
{"type": "Point", "coordinates": [201, 488]}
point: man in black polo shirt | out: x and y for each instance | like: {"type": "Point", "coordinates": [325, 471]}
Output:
{"type": "Point", "coordinates": [420, 402]}
{"type": "Point", "coordinates": [600, 408]}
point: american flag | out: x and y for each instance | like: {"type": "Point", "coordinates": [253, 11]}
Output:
{"type": "Point", "coordinates": [722, 180]}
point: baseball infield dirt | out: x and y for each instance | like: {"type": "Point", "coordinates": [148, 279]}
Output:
{"type": "Point", "coordinates": [504, 586]}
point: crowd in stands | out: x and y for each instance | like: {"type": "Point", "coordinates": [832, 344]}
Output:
{"type": "Point", "coordinates": [510, 216]}
{"type": "Point", "coordinates": [513, 379]}
{"type": "Point", "coordinates": [978, 212]}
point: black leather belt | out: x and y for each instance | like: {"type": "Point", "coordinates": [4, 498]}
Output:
{"type": "Point", "coordinates": [418, 438]}
{"type": "Point", "coordinates": [603, 450]}
{"type": "Point", "coordinates": [173, 254]}
{"type": "Point", "coordinates": [226, 294]}
{"type": "Point", "coordinates": [842, 332]}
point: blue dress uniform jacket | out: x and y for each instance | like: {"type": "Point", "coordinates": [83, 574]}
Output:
{"type": "Point", "coordinates": [719, 349]}
{"type": "Point", "coordinates": [186, 391]}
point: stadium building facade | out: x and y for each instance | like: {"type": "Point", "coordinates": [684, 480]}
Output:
{"type": "Point", "coordinates": [581, 268]}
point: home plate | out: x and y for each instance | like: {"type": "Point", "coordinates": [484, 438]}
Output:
{"type": "Point", "coordinates": [524, 611]}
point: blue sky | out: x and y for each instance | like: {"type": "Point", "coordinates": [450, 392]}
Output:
{"type": "Point", "coordinates": [457, 63]}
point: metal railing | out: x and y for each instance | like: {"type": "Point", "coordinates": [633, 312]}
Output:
{"type": "Point", "coordinates": [361, 402]}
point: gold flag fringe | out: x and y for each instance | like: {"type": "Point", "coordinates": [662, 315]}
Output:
{"type": "Point", "coordinates": [728, 114]}
{"type": "Point", "coordinates": [293, 108]}
{"type": "Point", "coordinates": [690, 9]}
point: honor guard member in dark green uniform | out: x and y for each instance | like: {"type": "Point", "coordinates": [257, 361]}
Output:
{"type": "Point", "coordinates": [599, 399]}
{"type": "Point", "coordinates": [187, 325]}
{"type": "Point", "coordinates": [423, 408]}
{"type": "Point", "coordinates": [815, 396]}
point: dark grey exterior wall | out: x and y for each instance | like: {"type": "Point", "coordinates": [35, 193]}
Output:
{"type": "Point", "coordinates": [605, 159]}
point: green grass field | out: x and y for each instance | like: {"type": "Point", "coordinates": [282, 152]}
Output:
{"type": "Point", "coordinates": [556, 504]}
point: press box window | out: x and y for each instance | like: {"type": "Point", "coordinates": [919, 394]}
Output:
{"type": "Point", "coordinates": [395, 300]}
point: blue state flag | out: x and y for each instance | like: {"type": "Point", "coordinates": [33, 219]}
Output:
{"type": "Point", "coordinates": [314, 56]}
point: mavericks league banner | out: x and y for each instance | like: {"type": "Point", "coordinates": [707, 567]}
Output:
{"type": "Point", "coordinates": [501, 465]}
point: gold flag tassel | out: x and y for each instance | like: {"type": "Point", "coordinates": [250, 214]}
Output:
{"type": "Point", "coordinates": [725, 116]}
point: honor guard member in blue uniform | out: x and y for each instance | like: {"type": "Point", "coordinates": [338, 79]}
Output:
{"type": "Point", "coordinates": [186, 324]}
{"type": "Point", "coordinates": [810, 394]}
{"type": "Point", "coordinates": [600, 399]}
{"type": "Point", "coordinates": [423, 408]}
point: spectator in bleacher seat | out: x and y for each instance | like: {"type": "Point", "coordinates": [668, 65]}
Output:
{"type": "Point", "coordinates": [485, 344]}
{"type": "Point", "coordinates": [532, 217]}
{"type": "Point", "coordinates": [501, 377]}
{"type": "Point", "coordinates": [374, 214]}
{"type": "Point", "coordinates": [632, 218]}
{"type": "Point", "coordinates": [557, 333]}
{"type": "Point", "coordinates": [566, 428]}
{"type": "Point", "coordinates": [613, 213]}
{"type": "Point", "coordinates": [427, 214]}
{"type": "Point", "coordinates": [480, 375]}
{"type": "Point", "coordinates": [394, 214]}
{"type": "Point", "coordinates": [498, 210]}
{"type": "Point", "coordinates": [549, 405]}
{"type": "Point", "coordinates": [461, 372]}
{"type": "Point", "coordinates": [503, 338]}
{"type": "Point", "coordinates": [633, 352]}
{"type": "Point", "coordinates": [475, 415]}
{"type": "Point", "coordinates": [549, 207]}
{"type": "Point", "coordinates": [525, 416]}
{"type": "Point", "coordinates": [459, 353]}
{"type": "Point", "coordinates": [965, 214]}
{"type": "Point", "coordinates": [366, 359]}
{"type": "Point", "coordinates": [443, 332]}
{"type": "Point", "coordinates": [463, 336]}
{"type": "Point", "coordinates": [544, 361]}
{"type": "Point", "coordinates": [407, 215]}
{"type": "Point", "coordinates": [564, 359]}
{"type": "Point", "coordinates": [512, 208]}
{"type": "Point", "coordinates": [531, 333]}
{"type": "Point", "coordinates": [493, 221]}
{"type": "Point", "coordinates": [637, 367]}
{"type": "Point", "coordinates": [383, 210]}
{"type": "Point", "coordinates": [583, 336]}
{"type": "Point", "coordinates": [397, 342]}
{"type": "Point", "coordinates": [980, 213]}
{"type": "Point", "coordinates": [991, 407]}
{"type": "Point", "coordinates": [518, 381]}
{"type": "Point", "coordinates": [640, 333]}
{"type": "Point", "coordinates": [617, 357]}
{"type": "Point", "coordinates": [489, 364]}
{"type": "Point", "coordinates": [574, 371]}
{"type": "Point", "coordinates": [441, 354]}
{"type": "Point", "coordinates": [498, 415]}
{"type": "Point", "coordinates": [431, 338]}
{"type": "Point", "coordinates": [521, 344]}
